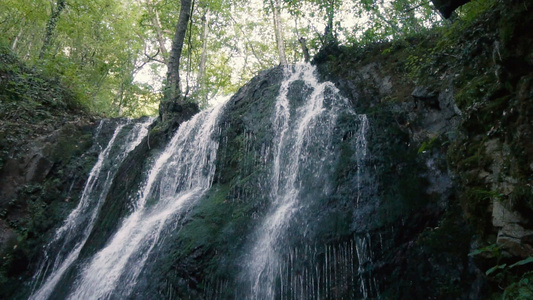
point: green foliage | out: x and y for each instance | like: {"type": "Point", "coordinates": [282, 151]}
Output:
{"type": "Point", "coordinates": [521, 289]}
{"type": "Point", "coordinates": [31, 103]}
{"type": "Point", "coordinates": [495, 268]}
{"type": "Point", "coordinates": [427, 145]}
{"type": "Point", "coordinates": [522, 262]}
{"type": "Point", "coordinates": [518, 284]}
{"type": "Point", "coordinates": [471, 11]}
{"type": "Point", "coordinates": [394, 20]}
{"type": "Point", "coordinates": [97, 48]}
{"type": "Point", "coordinates": [94, 49]}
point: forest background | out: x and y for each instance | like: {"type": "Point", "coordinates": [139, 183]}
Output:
{"type": "Point", "coordinates": [113, 54]}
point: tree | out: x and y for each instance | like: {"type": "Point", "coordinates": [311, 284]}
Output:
{"type": "Point", "coordinates": [329, 7]}
{"type": "Point", "coordinates": [51, 26]}
{"type": "Point", "coordinates": [156, 25]}
{"type": "Point", "coordinates": [96, 47]}
{"type": "Point", "coordinates": [22, 25]}
{"type": "Point", "coordinates": [275, 6]}
{"type": "Point", "coordinates": [172, 92]}
{"type": "Point", "coordinates": [305, 50]}
{"type": "Point", "coordinates": [93, 47]}
{"type": "Point", "coordinates": [201, 81]}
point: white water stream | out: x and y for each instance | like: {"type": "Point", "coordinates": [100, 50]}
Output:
{"type": "Point", "coordinates": [179, 177]}
{"type": "Point", "coordinates": [73, 234]}
{"type": "Point", "coordinates": [303, 149]}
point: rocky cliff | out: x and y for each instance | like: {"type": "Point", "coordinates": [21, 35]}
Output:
{"type": "Point", "coordinates": [464, 100]}
{"type": "Point", "coordinates": [437, 205]}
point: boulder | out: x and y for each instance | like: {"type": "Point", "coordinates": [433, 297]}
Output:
{"type": "Point", "coordinates": [512, 236]}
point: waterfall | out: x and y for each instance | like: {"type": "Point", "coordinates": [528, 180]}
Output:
{"type": "Point", "coordinates": [303, 156]}
{"type": "Point", "coordinates": [70, 238]}
{"type": "Point", "coordinates": [177, 179]}
{"type": "Point", "coordinates": [289, 174]}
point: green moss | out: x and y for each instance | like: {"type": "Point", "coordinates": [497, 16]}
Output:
{"type": "Point", "coordinates": [473, 90]}
{"type": "Point", "coordinates": [206, 219]}
{"type": "Point", "coordinates": [521, 289]}
{"type": "Point", "coordinates": [156, 130]}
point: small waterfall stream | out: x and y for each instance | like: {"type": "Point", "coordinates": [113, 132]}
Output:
{"type": "Point", "coordinates": [303, 158]}
{"type": "Point", "coordinates": [70, 238]}
{"type": "Point", "coordinates": [178, 177]}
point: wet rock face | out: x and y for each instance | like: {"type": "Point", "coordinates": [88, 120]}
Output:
{"type": "Point", "coordinates": [204, 259]}
{"type": "Point", "coordinates": [42, 159]}
{"type": "Point", "coordinates": [38, 187]}
{"type": "Point", "coordinates": [403, 215]}
{"type": "Point", "coordinates": [383, 213]}
{"type": "Point", "coordinates": [480, 116]}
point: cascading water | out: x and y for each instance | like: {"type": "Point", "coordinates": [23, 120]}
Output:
{"type": "Point", "coordinates": [278, 176]}
{"type": "Point", "coordinates": [177, 179]}
{"type": "Point", "coordinates": [302, 160]}
{"type": "Point", "coordinates": [70, 238]}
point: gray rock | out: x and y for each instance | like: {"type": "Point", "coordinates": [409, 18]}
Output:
{"type": "Point", "coordinates": [512, 236]}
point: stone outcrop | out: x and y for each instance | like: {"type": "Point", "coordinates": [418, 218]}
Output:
{"type": "Point", "coordinates": [512, 236]}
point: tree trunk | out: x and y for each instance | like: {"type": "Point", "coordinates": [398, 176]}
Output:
{"type": "Point", "coordinates": [330, 30]}
{"type": "Point", "coordinates": [15, 42]}
{"type": "Point", "coordinates": [203, 58]}
{"type": "Point", "coordinates": [304, 49]}
{"type": "Point", "coordinates": [172, 91]}
{"type": "Point", "coordinates": [51, 26]}
{"type": "Point", "coordinates": [30, 45]}
{"type": "Point", "coordinates": [278, 29]}
{"type": "Point", "coordinates": [154, 16]}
